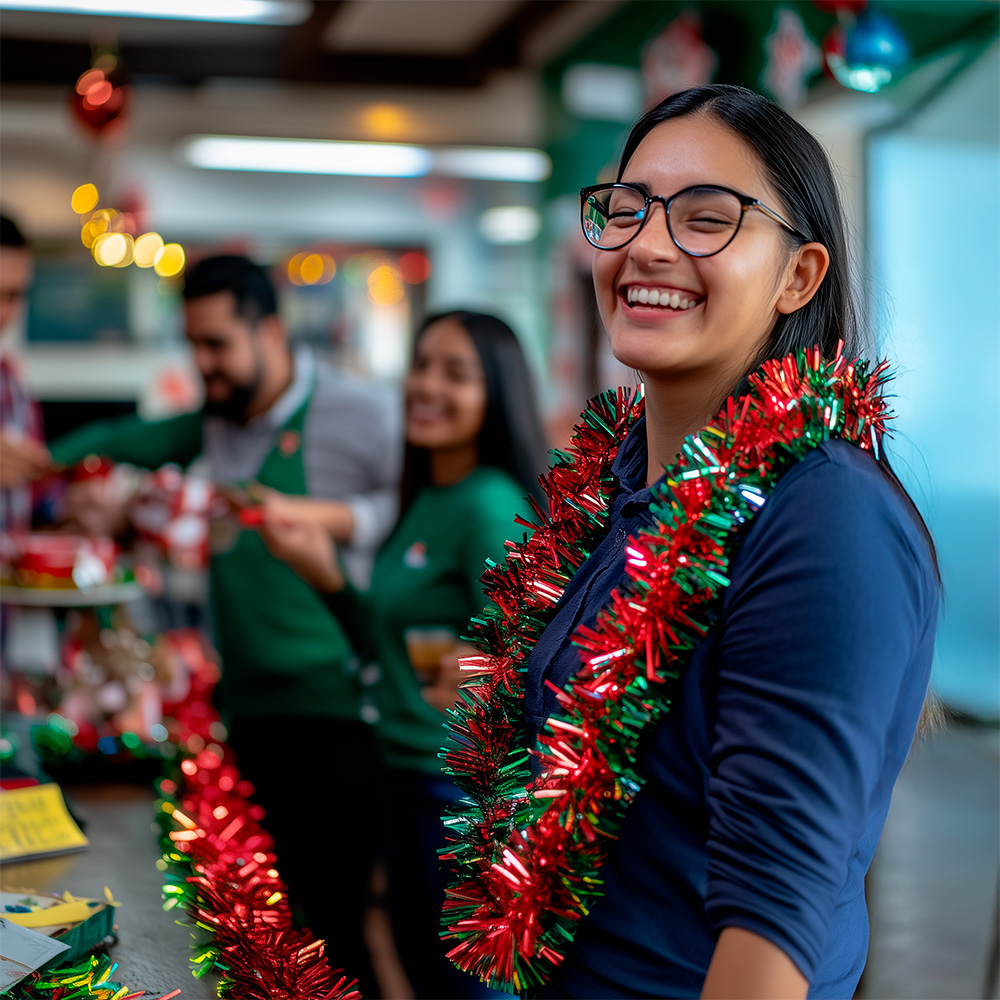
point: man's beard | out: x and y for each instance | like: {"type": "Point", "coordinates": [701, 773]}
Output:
{"type": "Point", "coordinates": [235, 406]}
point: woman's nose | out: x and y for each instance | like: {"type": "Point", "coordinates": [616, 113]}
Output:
{"type": "Point", "coordinates": [653, 240]}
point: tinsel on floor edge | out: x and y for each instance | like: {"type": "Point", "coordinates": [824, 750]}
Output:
{"type": "Point", "coordinates": [526, 852]}
{"type": "Point", "coordinates": [87, 979]}
{"type": "Point", "coordinates": [220, 869]}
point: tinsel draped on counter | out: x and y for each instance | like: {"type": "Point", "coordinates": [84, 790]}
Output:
{"type": "Point", "coordinates": [526, 852]}
{"type": "Point", "coordinates": [220, 868]}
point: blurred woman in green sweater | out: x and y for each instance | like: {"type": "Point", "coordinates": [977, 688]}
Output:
{"type": "Point", "coordinates": [474, 449]}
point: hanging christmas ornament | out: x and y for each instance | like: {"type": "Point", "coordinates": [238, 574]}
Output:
{"type": "Point", "coordinates": [792, 58]}
{"type": "Point", "coordinates": [677, 58]}
{"type": "Point", "coordinates": [874, 52]}
{"type": "Point", "coordinates": [832, 48]}
{"type": "Point", "coordinates": [840, 7]}
{"type": "Point", "coordinates": [100, 96]}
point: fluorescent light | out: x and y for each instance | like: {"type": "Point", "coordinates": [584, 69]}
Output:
{"type": "Point", "coordinates": [364, 159]}
{"type": "Point", "coordinates": [241, 11]}
{"type": "Point", "coordinates": [510, 224]}
{"type": "Point", "coordinates": [493, 164]}
{"type": "Point", "coordinates": [307, 156]}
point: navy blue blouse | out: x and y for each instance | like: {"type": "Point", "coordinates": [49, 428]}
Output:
{"type": "Point", "coordinates": [770, 778]}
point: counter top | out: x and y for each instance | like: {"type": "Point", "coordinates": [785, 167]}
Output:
{"type": "Point", "coordinates": [152, 949]}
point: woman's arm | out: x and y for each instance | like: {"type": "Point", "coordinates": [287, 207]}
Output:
{"type": "Point", "coordinates": [746, 966]}
{"type": "Point", "coordinates": [824, 647]}
{"type": "Point", "coordinates": [306, 547]}
{"type": "Point", "coordinates": [335, 517]}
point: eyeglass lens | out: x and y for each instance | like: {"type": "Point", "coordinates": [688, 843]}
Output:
{"type": "Point", "coordinates": [701, 220]}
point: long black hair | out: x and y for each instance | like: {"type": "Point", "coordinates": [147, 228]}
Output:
{"type": "Point", "coordinates": [799, 170]}
{"type": "Point", "coordinates": [511, 437]}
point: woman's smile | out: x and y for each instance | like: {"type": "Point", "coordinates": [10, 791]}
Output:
{"type": "Point", "coordinates": [640, 299]}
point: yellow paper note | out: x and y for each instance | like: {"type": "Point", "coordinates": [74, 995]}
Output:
{"type": "Point", "coordinates": [34, 822]}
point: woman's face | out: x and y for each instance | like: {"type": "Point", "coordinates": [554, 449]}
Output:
{"type": "Point", "coordinates": [445, 389]}
{"type": "Point", "coordinates": [731, 296]}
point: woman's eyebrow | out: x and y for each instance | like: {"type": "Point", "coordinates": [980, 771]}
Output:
{"type": "Point", "coordinates": [641, 185]}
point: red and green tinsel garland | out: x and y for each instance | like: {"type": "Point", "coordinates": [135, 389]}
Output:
{"type": "Point", "coordinates": [220, 866]}
{"type": "Point", "coordinates": [526, 852]}
{"type": "Point", "coordinates": [88, 979]}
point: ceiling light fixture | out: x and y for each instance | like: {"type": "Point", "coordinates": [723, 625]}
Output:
{"type": "Point", "coordinates": [509, 224]}
{"type": "Point", "coordinates": [306, 156]}
{"type": "Point", "coordinates": [238, 11]}
{"type": "Point", "coordinates": [363, 159]}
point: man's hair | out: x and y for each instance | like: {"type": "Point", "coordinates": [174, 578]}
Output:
{"type": "Point", "coordinates": [248, 282]}
{"type": "Point", "coordinates": [10, 234]}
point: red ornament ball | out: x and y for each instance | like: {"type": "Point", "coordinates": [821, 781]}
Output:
{"type": "Point", "coordinates": [99, 100]}
{"type": "Point", "coordinates": [841, 6]}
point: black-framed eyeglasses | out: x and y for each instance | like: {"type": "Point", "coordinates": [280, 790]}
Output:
{"type": "Point", "coordinates": [702, 220]}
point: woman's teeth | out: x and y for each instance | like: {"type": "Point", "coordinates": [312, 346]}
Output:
{"type": "Point", "coordinates": [657, 297]}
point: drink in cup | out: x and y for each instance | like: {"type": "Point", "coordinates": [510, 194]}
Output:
{"type": "Point", "coordinates": [425, 647]}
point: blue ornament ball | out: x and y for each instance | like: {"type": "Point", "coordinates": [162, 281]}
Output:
{"type": "Point", "coordinates": [875, 40]}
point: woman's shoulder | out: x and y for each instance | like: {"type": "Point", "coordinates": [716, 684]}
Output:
{"type": "Point", "coordinates": [493, 485]}
{"type": "Point", "coordinates": [837, 512]}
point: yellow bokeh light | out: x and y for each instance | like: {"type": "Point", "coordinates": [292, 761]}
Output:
{"type": "Point", "coordinates": [385, 286]}
{"type": "Point", "coordinates": [311, 269]}
{"type": "Point", "coordinates": [295, 268]}
{"type": "Point", "coordinates": [147, 247]}
{"type": "Point", "coordinates": [129, 251]}
{"type": "Point", "coordinates": [84, 199]}
{"type": "Point", "coordinates": [169, 260]}
{"type": "Point", "coordinates": [317, 269]}
{"type": "Point", "coordinates": [88, 233]}
{"type": "Point", "coordinates": [111, 249]}
{"type": "Point", "coordinates": [385, 121]}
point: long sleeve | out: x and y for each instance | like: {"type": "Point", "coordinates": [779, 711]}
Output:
{"type": "Point", "coordinates": [351, 608]}
{"type": "Point", "coordinates": [822, 668]}
{"type": "Point", "coordinates": [488, 526]}
{"type": "Point", "coordinates": [146, 443]}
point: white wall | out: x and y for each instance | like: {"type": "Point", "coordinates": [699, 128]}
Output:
{"type": "Point", "coordinates": [934, 224]}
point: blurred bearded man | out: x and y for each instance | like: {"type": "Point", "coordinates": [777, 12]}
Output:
{"type": "Point", "coordinates": [278, 426]}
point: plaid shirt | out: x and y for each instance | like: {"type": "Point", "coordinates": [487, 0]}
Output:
{"type": "Point", "coordinates": [19, 418]}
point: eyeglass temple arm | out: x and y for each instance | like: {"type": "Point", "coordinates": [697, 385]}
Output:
{"type": "Point", "coordinates": [771, 213]}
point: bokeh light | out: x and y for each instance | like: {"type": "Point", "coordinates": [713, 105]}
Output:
{"type": "Point", "coordinates": [385, 121]}
{"type": "Point", "coordinates": [111, 249]}
{"type": "Point", "coordinates": [294, 268]}
{"type": "Point", "coordinates": [385, 286]}
{"type": "Point", "coordinates": [311, 268]}
{"type": "Point", "coordinates": [414, 268]}
{"type": "Point", "coordinates": [88, 80]}
{"type": "Point", "coordinates": [146, 248]}
{"type": "Point", "coordinates": [318, 269]}
{"type": "Point", "coordinates": [84, 199]}
{"type": "Point", "coordinates": [358, 267]}
{"type": "Point", "coordinates": [169, 260]}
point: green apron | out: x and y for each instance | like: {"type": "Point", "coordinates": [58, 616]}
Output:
{"type": "Point", "coordinates": [283, 652]}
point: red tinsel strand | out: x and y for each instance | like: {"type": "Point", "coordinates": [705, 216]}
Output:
{"type": "Point", "coordinates": [513, 917]}
{"type": "Point", "coordinates": [224, 875]}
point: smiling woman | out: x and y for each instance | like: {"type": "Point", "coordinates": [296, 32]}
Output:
{"type": "Point", "coordinates": [474, 448]}
{"type": "Point", "coordinates": [718, 640]}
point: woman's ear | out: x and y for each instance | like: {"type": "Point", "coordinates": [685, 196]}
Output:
{"type": "Point", "coordinates": [805, 274]}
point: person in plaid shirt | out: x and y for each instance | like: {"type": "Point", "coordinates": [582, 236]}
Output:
{"type": "Point", "coordinates": [23, 455]}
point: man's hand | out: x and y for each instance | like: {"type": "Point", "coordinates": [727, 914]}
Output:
{"type": "Point", "coordinates": [443, 693]}
{"type": "Point", "coordinates": [22, 461]}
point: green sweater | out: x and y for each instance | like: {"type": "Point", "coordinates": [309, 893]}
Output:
{"type": "Point", "coordinates": [427, 575]}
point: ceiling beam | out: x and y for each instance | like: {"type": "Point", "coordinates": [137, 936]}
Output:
{"type": "Point", "coordinates": [32, 61]}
